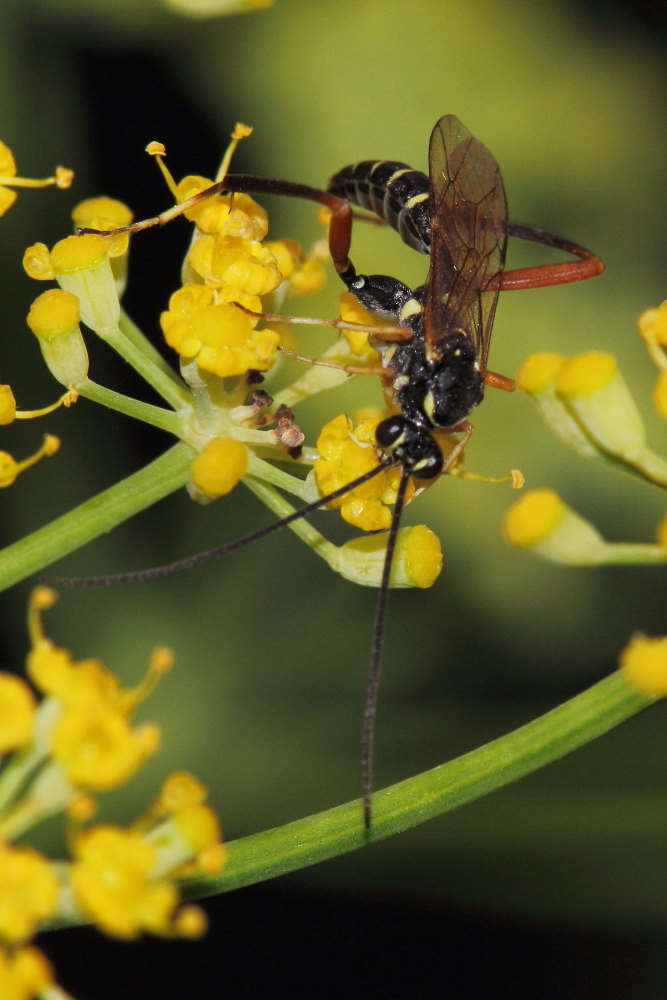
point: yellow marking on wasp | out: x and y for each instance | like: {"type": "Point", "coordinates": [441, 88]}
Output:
{"type": "Point", "coordinates": [416, 199]}
{"type": "Point", "coordinates": [411, 308]}
{"type": "Point", "coordinates": [428, 405]}
{"type": "Point", "coordinates": [399, 173]}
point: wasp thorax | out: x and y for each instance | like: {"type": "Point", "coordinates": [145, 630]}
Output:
{"type": "Point", "coordinates": [456, 386]}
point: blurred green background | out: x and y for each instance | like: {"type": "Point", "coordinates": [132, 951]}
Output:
{"type": "Point", "coordinates": [556, 886]}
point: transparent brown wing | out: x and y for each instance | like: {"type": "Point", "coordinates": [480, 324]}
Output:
{"type": "Point", "coordinates": [468, 238]}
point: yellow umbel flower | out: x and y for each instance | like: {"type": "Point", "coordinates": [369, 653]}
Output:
{"type": "Point", "coordinates": [348, 452]}
{"type": "Point", "coordinates": [221, 338]}
{"type": "Point", "coordinates": [98, 748]}
{"type": "Point", "coordinates": [232, 260]}
{"type": "Point", "coordinates": [28, 892]}
{"type": "Point", "coordinates": [24, 974]}
{"type": "Point", "coordinates": [113, 882]}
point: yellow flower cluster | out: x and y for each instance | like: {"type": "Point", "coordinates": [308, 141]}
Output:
{"type": "Point", "coordinates": [221, 337]}
{"type": "Point", "coordinates": [347, 452]}
{"type": "Point", "coordinates": [78, 739]}
{"type": "Point", "coordinates": [216, 325]}
{"type": "Point", "coordinates": [586, 402]}
{"type": "Point", "coordinates": [228, 263]}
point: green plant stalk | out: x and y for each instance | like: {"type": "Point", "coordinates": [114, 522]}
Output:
{"type": "Point", "coordinates": [127, 326]}
{"type": "Point", "coordinates": [309, 841]}
{"type": "Point", "coordinates": [336, 831]}
{"type": "Point", "coordinates": [156, 416]}
{"type": "Point", "coordinates": [96, 516]}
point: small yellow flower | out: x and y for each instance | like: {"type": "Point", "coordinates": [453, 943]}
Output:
{"type": "Point", "coordinates": [24, 974]}
{"type": "Point", "coordinates": [17, 712]}
{"type": "Point", "coordinates": [542, 522]}
{"type": "Point", "coordinates": [82, 265]}
{"type": "Point", "coordinates": [101, 213]}
{"type": "Point", "coordinates": [644, 664]}
{"type": "Point", "coordinates": [28, 892]}
{"type": "Point", "coordinates": [187, 834]}
{"type": "Point", "coordinates": [113, 882]}
{"type": "Point", "coordinates": [10, 467]}
{"type": "Point", "coordinates": [54, 319]}
{"type": "Point", "coordinates": [219, 466]}
{"type": "Point", "coordinates": [533, 517]}
{"type": "Point", "coordinates": [98, 748]}
{"type": "Point", "coordinates": [417, 558]}
{"type": "Point", "coordinates": [80, 253]}
{"type": "Point", "coordinates": [7, 405]}
{"type": "Point", "coordinates": [652, 325]}
{"type": "Point", "coordinates": [55, 673]}
{"type": "Point", "coordinates": [347, 453]}
{"type": "Point", "coordinates": [592, 387]}
{"type": "Point", "coordinates": [237, 216]}
{"type": "Point", "coordinates": [538, 372]}
{"type": "Point", "coordinates": [62, 178]}
{"type": "Point", "coordinates": [238, 261]}
{"type": "Point", "coordinates": [222, 338]}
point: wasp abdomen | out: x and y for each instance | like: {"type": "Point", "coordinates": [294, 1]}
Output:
{"type": "Point", "coordinates": [392, 190]}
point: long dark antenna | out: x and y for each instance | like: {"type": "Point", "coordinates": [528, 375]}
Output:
{"type": "Point", "coordinates": [200, 558]}
{"type": "Point", "coordinates": [370, 703]}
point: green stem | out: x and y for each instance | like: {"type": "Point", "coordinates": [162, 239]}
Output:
{"type": "Point", "coordinates": [157, 416]}
{"type": "Point", "coordinates": [313, 839]}
{"type": "Point", "coordinates": [139, 339]}
{"type": "Point", "coordinates": [302, 528]}
{"type": "Point", "coordinates": [336, 831]}
{"type": "Point", "coordinates": [633, 553]}
{"type": "Point", "coordinates": [152, 373]}
{"type": "Point", "coordinates": [96, 516]}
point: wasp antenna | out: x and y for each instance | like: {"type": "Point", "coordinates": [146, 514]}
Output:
{"type": "Point", "coordinates": [370, 703]}
{"type": "Point", "coordinates": [200, 558]}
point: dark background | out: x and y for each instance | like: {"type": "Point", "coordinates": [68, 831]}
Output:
{"type": "Point", "coordinates": [556, 886]}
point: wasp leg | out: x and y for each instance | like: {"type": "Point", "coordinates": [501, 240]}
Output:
{"type": "Point", "coordinates": [588, 266]}
{"type": "Point", "coordinates": [350, 369]}
{"type": "Point", "coordinates": [385, 332]}
{"type": "Point", "coordinates": [497, 381]}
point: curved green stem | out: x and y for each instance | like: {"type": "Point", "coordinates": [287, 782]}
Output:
{"type": "Point", "coordinates": [336, 831]}
{"type": "Point", "coordinates": [96, 516]}
{"type": "Point", "coordinates": [411, 802]}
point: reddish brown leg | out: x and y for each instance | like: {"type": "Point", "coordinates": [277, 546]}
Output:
{"type": "Point", "coordinates": [340, 227]}
{"type": "Point", "coordinates": [497, 381]}
{"type": "Point", "coordinates": [588, 265]}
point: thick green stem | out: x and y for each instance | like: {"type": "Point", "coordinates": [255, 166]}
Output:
{"type": "Point", "coordinates": [96, 516]}
{"type": "Point", "coordinates": [399, 807]}
{"type": "Point", "coordinates": [308, 841]}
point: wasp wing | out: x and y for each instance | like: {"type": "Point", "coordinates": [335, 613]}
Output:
{"type": "Point", "coordinates": [468, 238]}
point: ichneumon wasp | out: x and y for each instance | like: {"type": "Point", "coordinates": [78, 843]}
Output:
{"type": "Point", "coordinates": [434, 354]}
